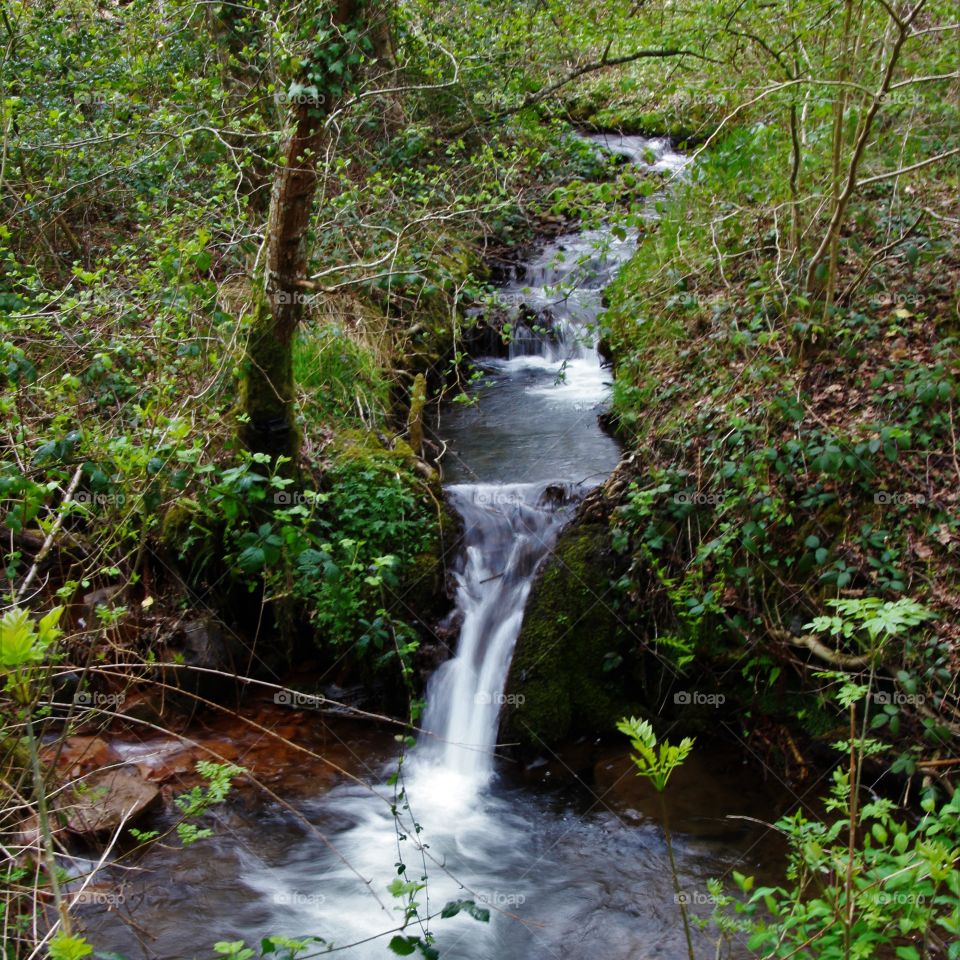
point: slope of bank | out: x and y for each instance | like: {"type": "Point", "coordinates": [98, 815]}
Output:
{"type": "Point", "coordinates": [784, 466]}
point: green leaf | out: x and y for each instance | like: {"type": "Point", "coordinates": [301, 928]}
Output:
{"type": "Point", "coordinates": [252, 559]}
{"type": "Point", "coordinates": [63, 947]}
{"type": "Point", "coordinates": [403, 946]}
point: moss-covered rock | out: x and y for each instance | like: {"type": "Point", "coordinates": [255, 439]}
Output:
{"type": "Point", "coordinates": [557, 683]}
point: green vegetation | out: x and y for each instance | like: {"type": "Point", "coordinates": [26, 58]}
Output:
{"type": "Point", "coordinates": [239, 248]}
{"type": "Point", "coordinates": [656, 765]}
{"type": "Point", "coordinates": [789, 461]}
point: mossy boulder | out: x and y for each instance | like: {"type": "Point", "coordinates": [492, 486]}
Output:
{"type": "Point", "coordinates": [558, 685]}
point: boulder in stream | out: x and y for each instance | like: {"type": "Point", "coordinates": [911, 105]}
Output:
{"type": "Point", "coordinates": [557, 685]}
{"type": "Point", "coordinates": [107, 799]}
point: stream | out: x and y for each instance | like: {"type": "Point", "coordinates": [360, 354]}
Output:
{"type": "Point", "coordinates": [566, 853]}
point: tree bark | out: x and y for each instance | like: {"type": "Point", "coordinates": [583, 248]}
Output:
{"type": "Point", "coordinates": [269, 392]}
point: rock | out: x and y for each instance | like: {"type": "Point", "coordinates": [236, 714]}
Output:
{"type": "Point", "coordinates": [97, 598]}
{"type": "Point", "coordinates": [143, 708]}
{"type": "Point", "coordinates": [107, 799]}
{"type": "Point", "coordinates": [557, 684]}
{"type": "Point", "coordinates": [203, 645]}
{"type": "Point", "coordinates": [27, 832]}
{"type": "Point", "coordinates": [207, 645]}
{"type": "Point", "coordinates": [77, 756]}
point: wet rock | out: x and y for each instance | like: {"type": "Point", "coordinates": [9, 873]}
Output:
{"type": "Point", "coordinates": [204, 646]}
{"type": "Point", "coordinates": [212, 650]}
{"type": "Point", "coordinates": [95, 599]}
{"type": "Point", "coordinates": [27, 833]}
{"type": "Point", "coordinates": [78, 756]}
{"type": "Point", "coordinates": [557, 684]}
{"type": "Point", "coordinates": [161, 761]}
{"type": "Point", "coordinates": [150, 706]}
{"type": "Point", "coordinates": [106, 800]}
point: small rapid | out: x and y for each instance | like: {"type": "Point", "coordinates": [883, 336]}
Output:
{"type": "Point", "coordinates": [516, 491]}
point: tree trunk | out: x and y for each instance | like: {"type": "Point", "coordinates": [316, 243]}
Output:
{"type": "Point", "coordinates": [268, 392]}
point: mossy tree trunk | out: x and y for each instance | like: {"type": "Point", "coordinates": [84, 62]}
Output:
{"type": "Point", "coordinates": [269, 391]}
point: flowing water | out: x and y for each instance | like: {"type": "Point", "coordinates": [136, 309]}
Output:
{"type": "Point", "coordinates": [574, 871]}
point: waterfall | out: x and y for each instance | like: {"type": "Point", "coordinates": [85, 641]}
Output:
{"type": "Point", "coordinates": [509, 529]}
{"type": "Point", "coordinates": [554, 300]}
{"type": "Point", "coordinates": [559, 880]}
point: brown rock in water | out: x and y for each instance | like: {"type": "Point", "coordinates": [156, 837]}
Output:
{"type": "Point", "coordinates": [150, 706]}
{"type": "Point", "coordinates": [105, 800]}
{"type": "Point", "coordinates": [80, 755]}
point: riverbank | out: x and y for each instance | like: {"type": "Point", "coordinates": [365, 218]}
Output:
{"type": "Point", "coordinates": [782, 467]}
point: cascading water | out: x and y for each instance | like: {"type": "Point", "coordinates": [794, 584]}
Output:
{"type": "Point", "coordinates": [554, 377]}
{"type": "Point", "coordinates": [509, 529]}
{"type": "Point", "coordinates": [574, 881]}
{"type": "Point", "coordinates": [556, 297]}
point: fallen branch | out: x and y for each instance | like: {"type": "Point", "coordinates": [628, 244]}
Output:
{"type": "Point", "coordinates": [847, 661]}
{"type": "Point", "coordinates": [51, 536]}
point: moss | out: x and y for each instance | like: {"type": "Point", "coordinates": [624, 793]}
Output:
{"type": "Point", "coordinates": [267, 389]}
{"type": "Point", "coordinates": [422, 594]}
{"type": "Point", "coordinates": [557, 683]}
{"type": "Point", "coordinates": [363, 448]}
{"type": "Point", "coordinates": [418, 398]}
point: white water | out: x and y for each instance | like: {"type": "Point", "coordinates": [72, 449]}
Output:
{"type": "Point", "coordinates": [508, 530]}
{"type": "Point", "coordinates": [510, 527]}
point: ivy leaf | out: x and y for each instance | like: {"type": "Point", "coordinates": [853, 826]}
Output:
{"type": "Point", "coordinates": [403, 946]}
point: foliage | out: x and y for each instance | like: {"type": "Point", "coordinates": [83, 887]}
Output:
{"type": "Point", "coordinates": [862, 882]}
{"type": "Point", "coordinates": [784, 464]}
{"type": "Point", "coordinates": [656, 765]}
{"type": "Point", "coordinates": [784, 344]}
{"type": "Point", "coordinates": [879, 619]}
